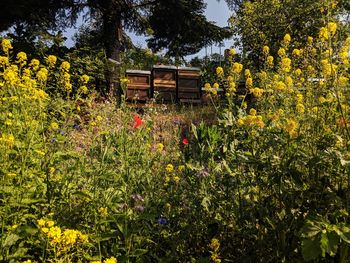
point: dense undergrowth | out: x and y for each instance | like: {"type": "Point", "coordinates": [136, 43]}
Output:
{"type": "Point", "coordinates": [261, 177]}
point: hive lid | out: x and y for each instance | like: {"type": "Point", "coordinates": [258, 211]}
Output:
{"type": "Point", "coordinates": [189, 68]}
{"type": "Point", "coordinates": [138, 71]}
{"type": "Point", "coordinates": [164, 67]}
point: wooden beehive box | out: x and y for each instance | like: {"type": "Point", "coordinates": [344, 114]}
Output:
{"type": "Point", "coordinates": [139, 85]}
{"type": "Point", "coordinates": [164, 83]}
{"type": "Point", "coordinates": [188, 81]}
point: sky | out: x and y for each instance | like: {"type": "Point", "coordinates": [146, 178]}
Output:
{"type": "Point", "coordinates": [216, 11]}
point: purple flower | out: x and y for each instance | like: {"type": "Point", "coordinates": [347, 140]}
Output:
{"type": "Point", "coordinates": [203, 173]}
{"type": "Point", "coordinates": [76, 126]}
{"type": "Point", "coordinates": [62, 132]}
{"type": "Point", "coordinates": [53, 140]}
{"type": "Point", "coordinates": [139, 208]}
{"type": "Point", "coordinates": [137, 198]}
{"type": "Point", "coordinates": [162, 221]}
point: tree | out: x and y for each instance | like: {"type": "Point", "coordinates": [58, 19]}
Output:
{"type": "Point", "coordinates": [258, 23]}
{"type": "Point", "coordinates": [184, 30]}
{"type": "Point", "coordinates": [186, 34]}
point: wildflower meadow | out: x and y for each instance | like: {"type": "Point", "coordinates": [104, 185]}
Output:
{"type": "Point", "coordinates": [260, 174]}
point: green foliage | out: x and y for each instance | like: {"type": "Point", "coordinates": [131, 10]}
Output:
{"type": "Point", "coordinates": [258, 23]}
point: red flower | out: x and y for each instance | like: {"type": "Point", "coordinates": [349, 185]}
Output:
{"type": "Point", "coordinates": [184, 141]}
{"type": "Point", "coordinates": [137, 121]}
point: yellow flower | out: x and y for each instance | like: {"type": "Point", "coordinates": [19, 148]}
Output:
{"type": "Point", "coordinates": [247, 73]}
{"type": "Point", "coordinates": [270, 60]}
{"type": "Point", "coordinates": [214, 244]}
{"type": "Point", "coordinates": [310, 40]}
{"type": "Point", "coordinates": [11, 174]}
{"type": "Point", "coordinates": [21, 58]}
{"type": "Point", "coordinates": [323, 34]}
{"type": "Point", "coordinates": [181, 168]}
{"type": "Point", "coordinates": [51, 60]}
{"type": "Point", "coordinates": [237, 68]}
{"type": "Point", "coordinates": [343, 81]}
{"type": "Point", "coordinates": [41, 222]}
{"type": "Point", "coordinates": [8, 139]}
{"type": "Point", "coordinates": [289, 81]}
{"type": "Point", "coordinates": [42, 74]}
{"type": "Point", "coordinates": [54, 234]}
{"type": "Point", "coordinates": [4, 60]}
{"type": "Point", "coordinates": [232, 52]}
{"type": "Point", "coordinates": [103, 211]}
{"type": "Point", "coordinates": [10, 76]}
{"type": "Point", "coordinates": [207, 86]}
{"type": "Point", "coordinates": [160, 147]}
{"type": "Point", "coordinates": [176, 179]}
{"type": "Point", "coordinates": [257, 92]}
{"type": "Point", "coordinates": [65, 66]}
{"type": "Point", "coordinates": [266, 50]}
{"type": "Point", "coordinates": [83, 89]}
{"type": "Point", "coordinates": [34, 63]}
{"type": "Point", "coordinates": [281, 52]}
{"type": "Point", "coordinates": [296, 52]}
{"type": "Point", "coordinates": [39, 152]}
{"type": "Point", "coordinates": [84, 79]}
{"type": "Point", "coordinates": [279, 85]}
{"type": "Point", "coordinates": [249, 82]}
{"type": "Point", "coordinates": [297, 71]}
{"type": "Point", "coordinates": [300, 108]}
{"type": "Point", "coordinates": [111, 260]}
{"type": "Point", "coordinates": [50, 223]}
{"type": "Point", "coordinates": [169, 168]}
{"type": "Point", "coordinates": [240, 122]}
{"type": "Point", "coordinates": [6, 45]}
{"type": "Point", "coordinates": [216, 86]}
{"type": "Point", "coordinates": [220, 71]}
{"type": "Point", "coordinates": [252, 112]}
{"type": "Point", "coordinates": [54, 126]}
{"type": "Point", "coordinates": [291, 127]}
{"type": "Point", "coordinates": [286, 64]}
{"type": "Point", "coordinates": [299, 97]}
{"type": "Point", "coordinates": [287, 39]}
{"type": "Point", "coordinates": [332, 28]}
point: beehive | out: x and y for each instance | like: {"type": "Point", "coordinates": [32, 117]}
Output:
{"type": "Point", "coordinates": [188, 81]}
{"type": "Point", "coordinates": [164, 83]}
{"type": "Point", "coordinates": [139, 85]}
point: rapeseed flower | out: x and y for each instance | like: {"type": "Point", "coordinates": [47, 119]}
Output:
{"type": "Point", "coordinates": [219, 72]}
{"type": "Point", "coordinates": [169, 168]}
{"type": "Point", "coordinates": [237, 68]}
{"type": "Point", "coordinates": [6, 45]}
{"type": "Point", "coordinates": [51, 61]}
{"type": "Point", "coordinates": [65, 66]}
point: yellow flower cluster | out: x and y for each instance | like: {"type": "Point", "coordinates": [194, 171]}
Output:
{"type": "Point", "coordinates": [237, 68]}
{"type": "Point", "coordinates": [251, 120]}
{"type": "Point", "coordinates": [220, 72]}
{"type": "Point", "coordinates": [51, 61]}
{"type": "Point", "coordinates": [214, 250]}
{"type": "Point", "coordinates": [7, 140]}
{"type": "Point", "coordinates": [108, 260]}
{"type": "Point", "coordinates": [291, 127]}
{"type": "Point", "coordinates": [286, 64]}
{"type": "Point", "coordinates": [6, 45]}
{"type": "Point", "coordinates": [65, 239]}
{"type": "Point", "coordinates": [266, 50]}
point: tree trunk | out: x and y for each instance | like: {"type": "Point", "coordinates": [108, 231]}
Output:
{"type": "Point", "coordinates": [112, 42]}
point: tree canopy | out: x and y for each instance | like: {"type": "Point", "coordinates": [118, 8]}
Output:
{"type": "Point", "coordinates": [258, 23]}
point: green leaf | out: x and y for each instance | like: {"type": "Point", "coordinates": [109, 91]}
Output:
{"type": "Point", "coordinates": [139, 252]}
{"type": "Point", "coordinates": [324, 244]}
{"type": "Point", "coordinates": [205, 203]}
{"type": "Point", "coordinates": [10, 240]}
{"type": "Point", "coordinates": [310, 249]}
